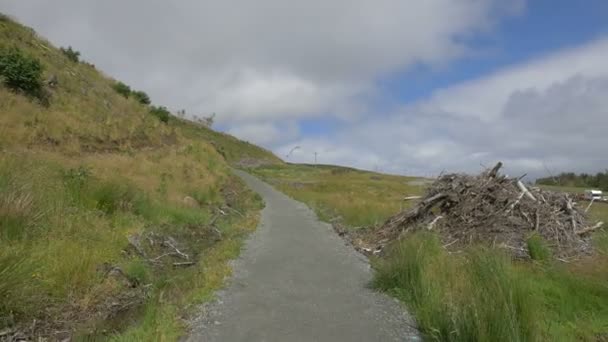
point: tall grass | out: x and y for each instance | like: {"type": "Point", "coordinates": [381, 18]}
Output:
{"type": "Point", "coordinates": [482, 295]}
{"type": "Point", "coordinates": [472, 298]}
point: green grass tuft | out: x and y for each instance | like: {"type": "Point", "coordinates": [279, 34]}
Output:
{"type": "Point", "coordinates": [538, 248]}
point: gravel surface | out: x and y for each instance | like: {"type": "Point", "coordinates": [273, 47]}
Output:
{"type": "Point", "coordinates": [297, 280]}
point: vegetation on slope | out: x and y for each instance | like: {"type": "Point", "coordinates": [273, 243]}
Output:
{"type": "Point", "coordinates": [88, 174]}
{"type": "Point", "coordinates": [478, 295]}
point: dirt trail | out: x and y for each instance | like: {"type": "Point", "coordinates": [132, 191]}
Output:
{"type": "Point", "coordinates": [297, 280]}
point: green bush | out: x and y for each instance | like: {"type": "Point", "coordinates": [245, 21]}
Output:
{"type": "Point", "coordinates": [162, 113]}
{"type": "Point", "coordinates": [71, 54]}
{"type": "Point", "coordinates": [141, 97]}
{"type": "Point", "coordinates": [21, 72]}
{"type": "Point", "coordinates": [122, 89]}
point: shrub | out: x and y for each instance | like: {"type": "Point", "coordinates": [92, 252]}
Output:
{"type": "Point", "coordinates": [71, 54]}
{"type": "Point", "coordinates": [122, 89]}
{"type": "Point", "coordinates": [141, 97]}
{"type": "Point", "coordinates": [21, 72]}
{"type": "Point", "coordinates": [162, 113]}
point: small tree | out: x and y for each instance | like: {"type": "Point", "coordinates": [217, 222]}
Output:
{"type": "Point", "coordinates": [206, 121]}
{"type": "Point", "coordinates": [21, 72]}
{"type": "Point", "coordinates": [141, 97]}
{"type": "Point", "coordinates": [162, 113]}
{"type": "Point", "coordinates": [209, 120]}
{"type": "Point", "coordinates": [122, 89]}
{"type": "Point", "coordinates": [71, 54]}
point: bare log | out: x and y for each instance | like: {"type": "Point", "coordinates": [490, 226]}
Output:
{"type": "Point", "coordinates": [409, 198]}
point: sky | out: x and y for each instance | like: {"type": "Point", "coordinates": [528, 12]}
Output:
{"type": "Point", "coordinates": [399, 86]}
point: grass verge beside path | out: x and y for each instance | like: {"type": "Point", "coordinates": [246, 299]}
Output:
{"type": "Point", "coordinates": [477, 295]}
{"type": "Point", "coordinates": [66, 226]}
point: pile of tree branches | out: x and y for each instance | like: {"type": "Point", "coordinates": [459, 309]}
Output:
{"type": "Point", "coordinates": [495, 210]}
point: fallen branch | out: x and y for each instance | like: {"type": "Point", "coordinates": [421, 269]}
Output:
{"type": "Point", "coordinates": [590, 204]}
{"type": "Point", "coordinates": [590, 229]}
{"type": "Point", "coordinates": [187, 263]}
{"type": "Point", "coordinates": [409, 198]}
{"type": "Point", "coordinates": [432, 223]}
{"type": "Point", "coordinates": [171, 244]}
{"type": "Point", "coordinates": [451, 243]}
{"type": "Point", "coordinates": [521, 195]}
{"type": "Point", "coordinates": [525, 190]}
{"type": "Point", "coordinates": [236, 211]}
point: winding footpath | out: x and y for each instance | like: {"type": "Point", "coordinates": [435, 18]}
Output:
{"type": "Point", "coordinates": [297, 280]}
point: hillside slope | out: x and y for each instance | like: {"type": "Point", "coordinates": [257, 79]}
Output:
{"type": "Point", "coordinates": [112, 222]}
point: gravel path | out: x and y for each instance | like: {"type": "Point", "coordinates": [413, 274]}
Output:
{"type": "Point", "coordinates": [296, 280]}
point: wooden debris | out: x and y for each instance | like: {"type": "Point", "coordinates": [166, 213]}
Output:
{"type": "Point", "coordinates": [590, 229]}
{"type": "Point", "coordinates": [182, 264]}
{"type": "Point", "coordinates": [496, 210]}
{"type": "Point", "coordinates": [409, 198]}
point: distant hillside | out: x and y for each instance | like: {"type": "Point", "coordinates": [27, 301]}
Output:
{"type": "Point", "coordinates": [115, 216]}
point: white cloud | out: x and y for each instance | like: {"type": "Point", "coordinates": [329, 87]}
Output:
{"type": "Point", "coordinates": [491, 94]}
{"type": "Point", "coordinates": [549, 113]}
{"type": "Point", "coordinates": [252, 60]}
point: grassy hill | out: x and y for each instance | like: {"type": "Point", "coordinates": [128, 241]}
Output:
{"type": "Point", "coordinates": [113, 223]}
